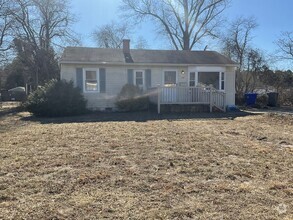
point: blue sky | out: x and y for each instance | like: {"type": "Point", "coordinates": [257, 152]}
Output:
{"type": "Point", "coordinates": [273, 17]}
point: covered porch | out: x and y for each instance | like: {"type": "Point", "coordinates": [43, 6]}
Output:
{"type": "Point", "coordinates": [180, 95]}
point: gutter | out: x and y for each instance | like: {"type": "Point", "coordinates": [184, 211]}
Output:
{"type": "Point", "coordinates": [142, 64]}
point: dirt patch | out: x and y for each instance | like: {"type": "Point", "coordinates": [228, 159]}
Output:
{"type": "Point", "coordinates": [164, 168]}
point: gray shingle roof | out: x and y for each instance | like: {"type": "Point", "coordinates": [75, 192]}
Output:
{"type": "Point", "coordinates": [106, 55]}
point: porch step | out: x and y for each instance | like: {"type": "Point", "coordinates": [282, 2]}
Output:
{"type": "Point", "coordinates": [217, 109]}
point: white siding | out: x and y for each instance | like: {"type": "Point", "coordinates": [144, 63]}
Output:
{"type": "Point", "coordinates": [116, 78]}
{"type": "Point", "coordinates": [156, 76]}
{"type": "Point", "coordinates": [183, 78]}
{"type": "Point", "coordinates": [230, 86]}
{"type": "Point", "coordinates": [68, 73]}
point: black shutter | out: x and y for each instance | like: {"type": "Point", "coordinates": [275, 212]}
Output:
{"type": "Point", "coordinates": [130, 76]}
{"type": "Point", "coordinates": [79, 78]}
{"type": "Point", "coordinates": [102, 80]}
{"type": "Point", "coordinates": [148, 78]}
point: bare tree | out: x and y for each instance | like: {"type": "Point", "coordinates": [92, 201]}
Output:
{"type": "Point", "coordinates": [141, 43]}
{"type": "Point", "coordinates": [40, 27]}
{"type": "Point", "coordinates": [184, 22]}
{"type": "Point", "coordinates": [44, 23]}
{"type": "Point", "coordinates": [6, 24]}
{"type": "Point", "coordinates": [285, 45]}
{"type": "Point", "coordinates": [110, 35]}
{"type": "Point", "coordinates": [255, 63]}
{"type": "Point", "coordinates": [236, 45]}
{"type": "Point", "coordinates": [56, 22]}
{"type": "Point", "coordinates": [238, 38]}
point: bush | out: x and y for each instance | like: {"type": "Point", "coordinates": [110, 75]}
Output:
{"type": "Point", "coordinates": [131, 98]}
{"type": "Point", "coordinates": [55, 99]}
{"type": "Point", "coordinates": [239, 99]}
{"type": "Point", "coordinates": [262, 100]}
{"type": "Point", "coordinates": [286, 97]}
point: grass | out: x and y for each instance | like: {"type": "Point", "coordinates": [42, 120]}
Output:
{"type": "Point", "coordinates": [98, 167]}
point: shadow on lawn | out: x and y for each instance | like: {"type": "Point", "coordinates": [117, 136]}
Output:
{"type": "Point", "coordinates": [9, 111]}
{"type": "Point", "coordinates": [136, 116]}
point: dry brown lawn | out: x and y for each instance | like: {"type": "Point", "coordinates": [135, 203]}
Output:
{"type": "Point", "coordinates": [154, 169]}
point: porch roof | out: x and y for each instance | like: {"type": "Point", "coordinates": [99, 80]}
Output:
{"type": "Point", "coordinates": [139, 56]}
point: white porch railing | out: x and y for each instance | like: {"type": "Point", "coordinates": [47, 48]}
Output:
{"type": "Point", "coordinates": [184, 95]}
{"type": "Point", "coordinates": [189, 95]}
{"type": "Point", "coordinates": [218, 100]}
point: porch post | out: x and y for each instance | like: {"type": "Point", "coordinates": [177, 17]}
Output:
{"type": "Point", "coordinates": [159, 99]}
{"type": "Point", "coordinates": [211, 98]}
{"type": "Point", "coordinates": [26, 89]}
{"type": "Point", "coordinates": [224, 98]}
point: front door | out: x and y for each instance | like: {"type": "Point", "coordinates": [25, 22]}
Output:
{"type": "Point", "coordinates": [192, 79]}
{"type": "Point", "coordinates": [170, 80]}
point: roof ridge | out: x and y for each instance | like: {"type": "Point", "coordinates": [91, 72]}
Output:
{"type": "Point", "coordinates": [82, 47]}
{"type": "Point", "coordinates": [134, 49]}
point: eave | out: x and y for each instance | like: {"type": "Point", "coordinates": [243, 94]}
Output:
{"type": "Point", "coordinates": [142, 64]}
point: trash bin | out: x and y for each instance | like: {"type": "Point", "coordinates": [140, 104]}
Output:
{"type": "Point", "coordinates": [273, 99]}
{"type": "Point", "coordinates": [250, 98]}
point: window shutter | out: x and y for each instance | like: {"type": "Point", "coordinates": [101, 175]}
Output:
{"type": "Point", "coordinates": [79, 78]}
{"type": "Point", "coordinates": [130, 76]}
{"type": "Point", "coordinates": [148, 78]}
{"type": "Point", "coordinates": [102, 80]}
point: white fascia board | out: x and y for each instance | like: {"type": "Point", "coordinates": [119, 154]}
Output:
{"type": "Point", "coordinates": [144, 64]}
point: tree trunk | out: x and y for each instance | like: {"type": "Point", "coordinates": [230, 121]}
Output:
{"type": "Point", "coordinates": [186, 42]}
{"type": "Point", "coordinates": [186, 37]}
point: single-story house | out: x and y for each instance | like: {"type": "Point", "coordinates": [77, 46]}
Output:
{"type": "Point", "coordinates": [175, 77]}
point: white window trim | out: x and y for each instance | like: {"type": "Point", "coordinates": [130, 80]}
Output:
{"type": "Point", "coordinates": [143, 77]}
{"type": "Point", "coordinates": [195, 78]}
{"type": "Point", "coordinates": [98, 80]}
{"type": "Point", "coordinates": [220, 79]}
{"type": "Point", "coordinates": [166, 70]}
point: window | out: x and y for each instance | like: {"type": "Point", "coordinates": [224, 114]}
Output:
{"type": "Point", "coordinates": [139, 78]}
{"type": "Point", "coordinates": [192, 79]}
{"type": "Point", "coordinates": [216, 79]}
{"type": "Point", "coordinates": [91, 81]}
{"type": "Point", "coordinates": [170, 78]}
{"type": "Point", "coordinates": [222, 86]}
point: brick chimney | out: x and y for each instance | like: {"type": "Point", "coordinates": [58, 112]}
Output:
{"type": "Point", "coordinates": [126, 46]}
